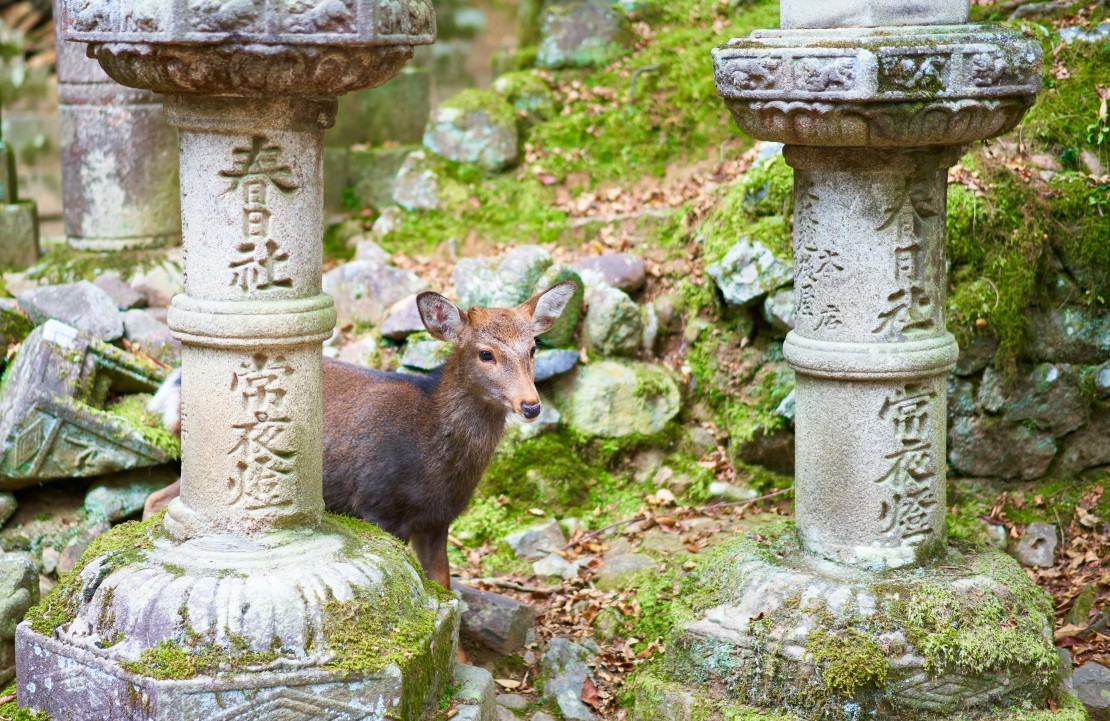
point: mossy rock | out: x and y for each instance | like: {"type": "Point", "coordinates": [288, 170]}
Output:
{"type": "Point", "coordinates": [582, 34]}
{"type": "Point", "coordinates": [611, 399]}
{"type": "Point", "coordinates": [475, 126]}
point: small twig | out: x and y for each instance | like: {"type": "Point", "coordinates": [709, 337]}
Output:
{"type": "Point", "coordinates": [997, 295]}
{"type": "Point", "coordinates": [703, 509]}
{"type": "Point", "coordinates": [636, 76]}
{"type": "Point", "coordinates": [515, 586]}
{"type": "Point", "coordinates": [7, 699]}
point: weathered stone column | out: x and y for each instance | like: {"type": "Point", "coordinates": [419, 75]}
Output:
{"type": "Point", "coordinates": [19, 222]}
{"type": "Point", "coordinates": [119, 157]}
{"type": "Point", "coordinates": [863, 610]}
{"type": "Point", "coordinates": [247, 602]}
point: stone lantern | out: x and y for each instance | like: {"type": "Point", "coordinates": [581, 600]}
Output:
{"type": "Point", "coordinates": [863, 609]}
{"type": "Point", "coordinates": [119, 157]}
{"type": "Point", "coordinates": [246, 601]}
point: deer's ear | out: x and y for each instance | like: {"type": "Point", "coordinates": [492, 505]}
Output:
{"type": "Point", "coordinates": [441, 317]}
{"type": "Point", "coordinates": [546, 307]}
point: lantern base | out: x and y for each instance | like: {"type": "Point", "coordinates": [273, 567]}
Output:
{"type": "Point", "coordinates": [334, 623]}
{"type": "Point", "coordinates": [775, 628]}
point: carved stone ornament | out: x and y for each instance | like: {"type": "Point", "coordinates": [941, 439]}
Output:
{"type": "Point", "coordinates": [251, 47]}
{"type": "Point", "coordinates": [879, 87]}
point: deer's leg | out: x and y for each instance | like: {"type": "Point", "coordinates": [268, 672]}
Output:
{"type": "Point", "coordinates": [431, 549]}
{"type": "Point", "coordinates": [160, 499]}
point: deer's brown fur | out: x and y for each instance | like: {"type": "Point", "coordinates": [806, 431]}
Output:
{"type": "Point", "coordinates": [406, 452]}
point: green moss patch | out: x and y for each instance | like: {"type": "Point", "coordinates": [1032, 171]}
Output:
{"type": "Point", "coordinates": [132, 408]}
{"type": "Point", "coordinates": [11, 711]}
{"type": "Point", "coordinates": [123, 545]}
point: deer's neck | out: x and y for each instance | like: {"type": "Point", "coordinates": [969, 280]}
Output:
{"type": "Point", "coordinates": [468, 428]}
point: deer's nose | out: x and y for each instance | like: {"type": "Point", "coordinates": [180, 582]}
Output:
{"type": "Point", "coordinates": [530, 410]}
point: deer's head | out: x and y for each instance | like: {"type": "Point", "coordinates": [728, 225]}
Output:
{"type": "Point", "coordinates": [495, 347]}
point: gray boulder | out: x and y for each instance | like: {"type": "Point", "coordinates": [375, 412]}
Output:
{"type": "Point", "coordinates": [498, 622]}
{"type": "Point", "coordinates": [367, 249]}
{"type": "Point", "coordinates": [422, 184]}
{"type": "Point", "coordinates": [611, 399]}
{"type": "Point", "coordinates": [566, 666]}
{"type": "Point", "coordinates": [614, 325]}
{"type": "Point", "coordinates": [750, 271]}
{"type": "Point", "coordinates": [364, 290]}
{"type": "Point", "coordinates": [1050, 397]}
{"type": "Point", "coordinates": [8, 505]}
{"type": "Point", "coordinates": [503, 282]}
{"type": "Point", "coordinates": [402, 319]}
{"type": "Point", "coordinates": [529, 94]}
{"type": "Point", "coordinates": [536, 542]}
{"type": "Point", "coordinates": [1092, 685]}
{"type": "Point", "coordinates": [425, 353]}
{"type": "Point", "coordinates": [551, 362]}
{"type": "Point", "coordinates": [81, 305]}
{"type": "Point", "coordinates": [778, 310]}
{"type": "Point", "coordinates": [123, 294]}
{"type": "Point", "coordinates": [620, 270]}
{"type": "Point", "coordinates": [1088, 447]}
{"type": "Point", "coordinates": [19, 590]}
{"type": "Point", "coordinates": [116, 497]}
{"type": "Point", "coordinates": [582, 34]}
{"type": "Point", "coordinates": [150, 335]}
{"type": "Point", "coordinates": [1068, 334]}
{"type": "Point", "coordinates": [1037, 548]}
{"type": "Point", "coordinates": [475, 126]}
{"type": "Point", "coordinates": [562, 333]}
{"type": "Point", "coordinates": [619, 571]}
{"type": "Point", "coordinates": [986, 446]}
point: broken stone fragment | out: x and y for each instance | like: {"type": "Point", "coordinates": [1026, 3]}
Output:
{"type": "Point", "coordinates": [120, 495]}
{"type": "Point", "coordinates": [424, 353]}
{"type": "Point", "coordinates": [475, 696]}
{"type": "Point", "coordinates": [81, 305]}
{"type": "Point", "coordinates": [503, 282]}
{"type": "Point", "coordinates": [53, 417]}
{"type": "Point", "coordinates": [554, 362]}
{"type": "Point", "coordinates": [1092, 685]}
{"type": "Point", "coordinates": [498, 622]}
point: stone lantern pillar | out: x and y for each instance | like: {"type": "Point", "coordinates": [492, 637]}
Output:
{"type": "Point", "coordinates": [119, 157]}
{"type": "Point", "coordinates": [863, 610]}
{"type": "Point", "coordinates": [246, 601]}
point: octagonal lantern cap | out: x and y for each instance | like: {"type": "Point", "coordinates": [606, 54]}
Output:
{"type": "Point", "coordinates": [268, 22]}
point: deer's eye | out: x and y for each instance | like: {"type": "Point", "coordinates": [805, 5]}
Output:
{"type": "Point", "coordinates": [533, 351]}
{"type": "Point", "coordinates": [485, 356]}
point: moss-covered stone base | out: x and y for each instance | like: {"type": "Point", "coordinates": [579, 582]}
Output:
{"type": "Point", "coordinates": [763, 624]}
{"type": "Point", "coordinates": [334, 622]}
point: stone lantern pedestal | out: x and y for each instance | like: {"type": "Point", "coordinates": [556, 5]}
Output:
{"type": "Point", "coordinates": [862, 609]}
{"type": "Point", "coordinates": [19, 221]}
{"type": "Point", "coordinates": [245, 601]}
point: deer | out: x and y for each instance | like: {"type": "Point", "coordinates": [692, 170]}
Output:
{"type": "Point", "coordinates": [405, 451]}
